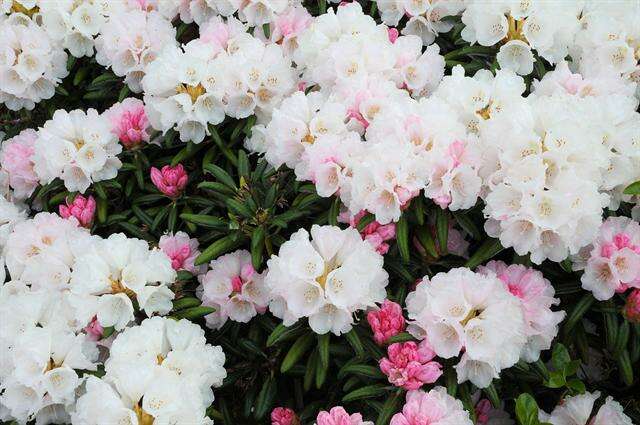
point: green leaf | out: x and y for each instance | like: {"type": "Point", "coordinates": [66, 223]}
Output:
{"type": "Point", "coordinates": [239, 208]}
{"type": "Point", "coordinates": [442, 229]}
{"type": "Point", "coordinates": [560, 357]}
{"type": "Point", "coordinates": [310, 371]}
{"type": "Point", "coordinates": [193, 313]}
{"type": "Point", "coordinates": [370, 391]}
{"type": "Point", "coordinates": [556, 380]}
{"type": "Point", "coordinates": [334, 211]}
{"type": "Point", "coordinates": [576, 386]}
{"type": "Point", "coordinates": [632, 189]}
{"type": "Point", "coordinates": [354, 340]}
{"type": "Point", "coordinates": [257, 247]}
{"type": "Point", "coordinates": [527, 410]}
{"type": "Point", "coordinates": [221, 175]}
{"type": "Point", "coordinates": [102, 210]}
{"type": "Point", "coordinates": [426, 240]}
{"type": "Point", "coordinates": [389, 408]}
{"type": "Point", "coordinates": [265, 399]}
{"type": "Point", "coordinates": [283, 333]}
{"type": "Point", "coordinates": [243, 164]}
{"type": "Point", "coordinates": [218, 248]}
{"type": "Point", "coordinates": [204, 220]}
{"type": "Point", "coordinates": [296, 351]}
{"type": "Point", "coordinates": [363, 370]}
{"type": "Point", "coordinates": [489, 249]}
{"type": "Point", "coordinates": [626, 370]}
{"type": "Point", "coordinates": [323, 349]}
{"type": "Point", "coordinates": [578, 311]}
{"type": "Point", "coordinates": [492, 395]}
{"type": "Point", "coordinates": [401, 337]}
{"type": "Point", "coordinates": [185, 302]}
{"type": "Point", "coordinates": [173, 217]}
{"type": "Point", "coordinates": [402, 238]}
{"type": "Point", "coordinates": [462, 217]}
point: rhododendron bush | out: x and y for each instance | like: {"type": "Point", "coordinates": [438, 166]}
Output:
{"type": "Point", "coordinates": [301, 212]}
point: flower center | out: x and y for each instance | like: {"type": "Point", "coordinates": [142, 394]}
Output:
{"type": "Point", "coordinates": [193, 91]}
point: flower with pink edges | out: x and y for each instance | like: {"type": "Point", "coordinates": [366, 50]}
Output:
{"type": "Point", "coordinates": [94, 329]}
{"type": "Point", "coordinates": [15, 160]}
{"type": "Point", "coordinates": [386, 322]}
{"type": "Point", "coordinates": [284, 416]}
{"type": "Point", "coordinates": [631, 308]}
{"type": "Point", "coordinates": [288, 26]}
{"type": "Point", "coordinates": [170, 180]}
{"type": "Point", "coordinates": [375, 233]}
{"type": "Point", "coordinates": [536, 295]}
{"type": "Point", "coordinates": [84, 209]}
{"type": "Point", "coordinates": [129, 122]}
{"type": "Point", "coordinates": [182, 251]}
{"type": "Point", "coordinates": [338, 416]}
{"type": "Point", "coordinates": [433, 407]}
{"type": "Point", "coordinates": [410, 365]}
{"type": "Point", "coordinates": [613, 264]}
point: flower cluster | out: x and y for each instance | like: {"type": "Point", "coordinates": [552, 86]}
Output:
{"type": "Point", "coordinates": [78, 147]}
{"type": "Point", "coordinates": [386, 322]}
{"type": "Point", "coordinates": [326, 279]}
{"type": "Point", "coordinates": [16, 161]}
{"type": "Point", "coordinates": [32, 64]}
{"type": "Point", "coordinates": [435, 406]}
{"type": "Point", "coordinates": [225, 71]}
{"type": "Point", "coordinates": [410, 365]}
{"type": "Point", "coordinates": [161, 370]}
{"type": "Point", "coordinates": [465, 311]}
{"type": "Point", "coordinates": [577, 410]}
{"type": "Point", "coordinates": [130, 40]}
{"type": "Point", "coordinates": [234, 289]}
{"type": "Point", "coordinates": [337, 415]}
{"type": "Point", "coordinates": [613, 261]}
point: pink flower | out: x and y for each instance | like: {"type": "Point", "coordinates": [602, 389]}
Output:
{"type": "Point", "coordinates": [338, 416]}
{"type": "Point", "coordinates": [94, 329]}
{"type": "Point", "coordinates": [631, 308]}
{"type": "Point", "coordinates": [374, 233]}
{"type": "Point", "coordinates": [15, 159]}
{"type": "Point", "coordinates": [284, 416]}
{"type": "Point", "coordinates": [393, 34]}
{"type": "Point", "coordinates": [410, 365]}
{"type": "Point", "coordinates": [435, 406]}
{"type": "Point", "coordinates": [129, 122]}
{"type": "Point", "coordinates": [82, 208]}
{"type": "Point", "coordinates": [289, 25]}
{"type": "Point", "coordinates": [386, 322]}
{"type": "Point", "coordinates": [182, 251]}
{"type": "Point", "coordinates": [170, 180]}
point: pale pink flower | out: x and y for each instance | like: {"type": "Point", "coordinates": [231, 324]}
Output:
{"type": "Point", "coordinates": [375, 233]}
{"type": "Point", "coordinates": [614, 260]}
{"type": "Point", "coordinates": [84, 209]}
{"type": "Point", "coordinates": [15, 160]}
{"type": "Point", "coordinates": [289, 25]}
{"type": "Point", "coordinates": [94, 329]}
{"type": "Point", "coordinates": [338, 416]}
{"type": "Point", "coordinates": [129, 122]}
{"type": "Point", "coordinates": [433, 407]}
{"type": "Point", "coordinates": [536, 296]}
{"type": "Point", "coordinates": [410, 365]}
{"type": "Point", "coordinates": [386, 322]}
{"type": "Point", "coordinates": [170, 180]}
{"type": "Point", "coordinates": [284, 416]}
{"type": "Point", "coordinates": [631, 308]}
{"type": "Point", "coordinates": [182, 251]}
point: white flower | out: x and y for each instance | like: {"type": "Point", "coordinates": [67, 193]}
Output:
{"type": "Point", "coordinates": [461, 308]}
{"type": "Point", "coordinates": [117, 270]}
{"type": "Point", "coordinates": [326, 279]}
{"type": "Point", "coordinates": [77, 147]}
{"type": "Point", "coordinates": [161, 370]}
{"type": "Point", "coordinates": [130, 40]}
{"type": "Point", "coordinates": [31, 63]}
{"type": "Point", "coordinates": [577, 410]}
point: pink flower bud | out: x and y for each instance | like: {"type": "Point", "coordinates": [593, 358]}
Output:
{"type": "Point", "coordinates": [94, 329]}
{"type": "Point", "coordinates": [81, 208]}
{"type": "Point", "coordinates": [631, 308]}
{"type": "Point", "coordinates": [129, 122]}
{"type": "Point", "coordinates": [284, 416]}
{"type": "Point", "coordinates": [393, 34]}
{"type": "Point", "coordinates": [386, 322]}
{"type": "Point", "coordinates": [170, 180]}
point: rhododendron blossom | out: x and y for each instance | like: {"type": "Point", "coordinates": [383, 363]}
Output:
{"type": "Point", "coordinates": [234, 288]}
{"type": "Point", "coordinates": [182, 251]}
{"type": "Point", "coordinates": [129, 122]}
{"type": "Point", "coordinates": [16, 160]}
{"type": "Point", "coordinates": [170, 180]}
{"type": "Point", "coordinates": [284, 416]}
{"type": "Point", "coordinates": [577, 410]}
{"type": "Point", "coordinates": [338, 416]}
{"type": "Point", "coordinates": [631, 309]}
{"type": "Point", "coordinates": [433, 407]}
{"type": "Point", "coordinates": [410, 365]}
{"type": "Point", "coordinates": [386, 321]}
{"type": "Point", "coordinates": [83, 209]}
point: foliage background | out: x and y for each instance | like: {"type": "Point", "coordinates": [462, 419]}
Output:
{"type": "Point", "coordinates": [235, 201]}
